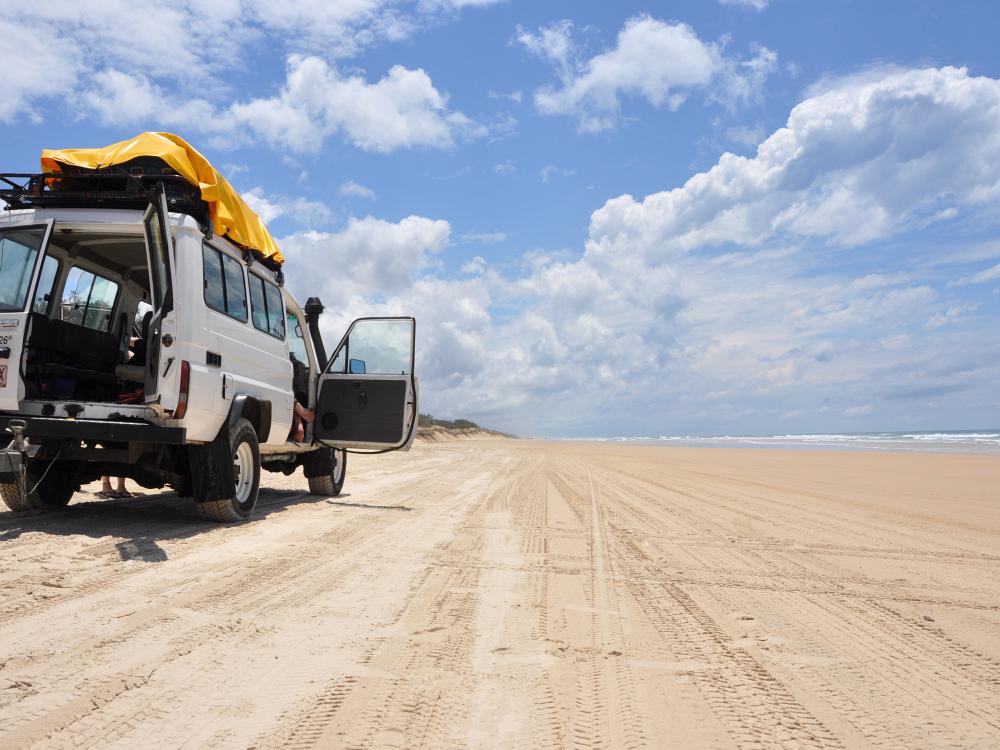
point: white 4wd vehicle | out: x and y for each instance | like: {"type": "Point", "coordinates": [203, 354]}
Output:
{"type": "Point", "coordinates": [135, 343]}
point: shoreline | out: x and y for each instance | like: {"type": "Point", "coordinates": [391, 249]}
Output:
{"type": "Point", "coordinates": [786, 445]}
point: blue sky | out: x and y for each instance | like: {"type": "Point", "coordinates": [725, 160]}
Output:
{"type": "Point", "coordinates": [570, 195]}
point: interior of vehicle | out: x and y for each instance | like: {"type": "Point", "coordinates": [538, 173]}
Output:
{"type": "Point", "coordinates": [86, 339]}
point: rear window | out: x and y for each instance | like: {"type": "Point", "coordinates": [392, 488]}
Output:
{"type": "Point", "coordinates": [224, 289]}
{"type": "Point", "coordinates": [265, 301]}
{"type": "Point", "coordinates": [18, 251]}
{"type": "Point", "coordinates": [88, 299]}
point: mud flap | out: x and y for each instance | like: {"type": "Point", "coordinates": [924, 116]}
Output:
{"type": "Point", "coordinates": [10, 466]}
{"type": "Point", "coordinates": [212, 468]}
{"type": "Point", "coordinates": [319, 463]}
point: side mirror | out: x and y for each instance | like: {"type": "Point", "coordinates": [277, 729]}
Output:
{"type": "Point", "coordinates": [356, 366]}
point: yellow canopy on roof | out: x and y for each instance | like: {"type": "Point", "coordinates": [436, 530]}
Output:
{"type": "Point", "coordinates": [231, 216]}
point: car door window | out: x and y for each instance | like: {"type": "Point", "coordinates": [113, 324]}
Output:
{"type": "Point", "coordinates": [376, 346]}
{"type": "Point", "coordinates": [18, 252]}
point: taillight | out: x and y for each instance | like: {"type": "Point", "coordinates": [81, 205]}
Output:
{"type": "Point", "coordinates": [182, 398]}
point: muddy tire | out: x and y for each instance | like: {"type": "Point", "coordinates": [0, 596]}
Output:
{"type": "Point", "coordinates": [54, 491]}
{"type": "Point", "coordinates": [246, 478]}
{"type": "Point", "coordinates": [331, 485]}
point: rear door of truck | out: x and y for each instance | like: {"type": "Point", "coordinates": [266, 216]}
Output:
{"type": "Point", "coordinates": [22, 248]}
{"type": "Point", "coordinates": [367, 397]}
{"type": "Point", "coordinates": [161, 368]}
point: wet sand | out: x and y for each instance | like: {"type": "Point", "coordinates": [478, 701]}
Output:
{"type": "Point", "coordinates": [514, 594]}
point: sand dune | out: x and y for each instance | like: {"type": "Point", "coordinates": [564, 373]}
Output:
{"type": "Point", "coordinates": [517, 594]}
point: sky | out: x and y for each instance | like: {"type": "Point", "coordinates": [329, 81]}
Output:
{"type": "Point", "coordinates": [694, 217]}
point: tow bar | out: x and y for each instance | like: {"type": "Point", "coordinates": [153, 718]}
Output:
{"type": "Point", "coordinates": [12, 459]}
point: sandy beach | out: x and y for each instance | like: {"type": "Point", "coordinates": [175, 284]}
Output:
{"type": "Point", "coordinates": [517, 594]}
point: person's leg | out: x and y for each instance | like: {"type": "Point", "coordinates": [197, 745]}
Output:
{"type": "Point", "coordinates": [300, 415]}
{"type": "Point", "coordinates": [122, 492]}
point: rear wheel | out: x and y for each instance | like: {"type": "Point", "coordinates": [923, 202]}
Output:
{"type": "Point", "coordinates": [246, 477]}
{"type": "Point", "coordinates": [331, 485]}
{"type": "Point", "coordinates": [55, 490]}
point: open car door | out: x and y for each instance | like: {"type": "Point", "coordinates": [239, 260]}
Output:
{"type": "Point", "coordinates": [160, 366]}
{"type": "Point", "coordinates": [22, 248]}
{"type": "Point", "coordinates": [367, 397]}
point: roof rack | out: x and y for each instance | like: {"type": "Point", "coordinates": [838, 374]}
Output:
{"type": "Point", "coordinates": [100, 188]}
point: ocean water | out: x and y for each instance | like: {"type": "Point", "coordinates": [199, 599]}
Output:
{"type": "Point", "coordinates": [944, 441]}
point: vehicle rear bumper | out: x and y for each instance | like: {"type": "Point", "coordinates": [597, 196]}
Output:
{"type": "Point", "coordinates": [97, 430]}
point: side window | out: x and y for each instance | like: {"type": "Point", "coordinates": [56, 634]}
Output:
{"type": "Point", "coordinates": [268, 314]}
{"type": "Point", "coordinates": [275, 311]}
{"type": "Point", "coordinates": [258, 307]}
{"type": "Point", "coordinates": [88, 299]}
{"type": "Point", "coordinates": [46, 285]}
{"type": "Point", "coordinates": [296, 340]}
{"type": "Point", "coordinates": [224, 290]}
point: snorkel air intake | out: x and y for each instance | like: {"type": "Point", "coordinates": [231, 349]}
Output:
{"type": "Point", "coordinates": [313, 309]}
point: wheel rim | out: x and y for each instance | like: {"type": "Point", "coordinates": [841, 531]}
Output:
{"type": "Point", "coordinates": [243, 472]}
{"type": "Point", "coordinates": [338, 466]}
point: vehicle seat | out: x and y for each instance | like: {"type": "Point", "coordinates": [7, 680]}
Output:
{"type": "Point", "coordinates": [63, 349]}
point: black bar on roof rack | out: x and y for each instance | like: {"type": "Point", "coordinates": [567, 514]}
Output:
{"type": "Point", "coordinates": [114, 187]}
{"type": "Point", "coordinates": [107, 188]}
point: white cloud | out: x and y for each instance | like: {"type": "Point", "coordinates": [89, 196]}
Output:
{"type": "Point", "coordinates": [484, 238]}
{"type": "Point", "coordinates": [167, 64]}
{"type": "Point", "coordinates": [514, 96]}
{"type": "Point", "coordinates": [754, 5]}
{"type": "Point", "coordinates": [300, 210]}
{"type": "Point", "coordinates": [369, 257]}
{"type": "Point", "coordinates": [658, 61]}
{"type": "Point", "coordinates": [504, 168]}
{"type": "Point", "coordinates": [353, 189]}
{"type": "Point", "coordinates": [745, 135]}
{"type": "Point", "coordinates": [954, 314]}
{"type": "Point", "coordinates": [475, 267]}
{"type": "Point", "coordinates": [553, 43]}
{"type": "Point", "coordinates": [402, 109]}
{"type": "Point", "coordinates": [982, 277]}
{"type": "Point", "coordinates": [551, 170]}
{"type": "Point", "coordinates": [457, 4]}
{"type": "Point", "coordinates": [45, 70]}
{"type": "Point", "coordinates": [850, 166]}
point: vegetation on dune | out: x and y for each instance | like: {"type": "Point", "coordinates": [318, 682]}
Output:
{"type": "Point", "coordinates": [454, 425]}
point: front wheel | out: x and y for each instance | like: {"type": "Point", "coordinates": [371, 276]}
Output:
{"type": "Point", "coordinates": [246, 477]}
{"type": "Point", "coordinates": [332, 484]}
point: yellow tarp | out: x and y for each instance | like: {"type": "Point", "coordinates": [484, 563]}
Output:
{"type": "Point", "coordinates": [231, 216]}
